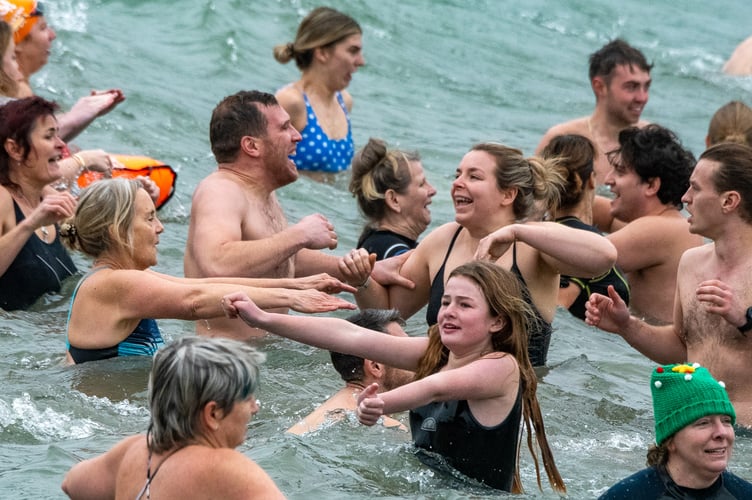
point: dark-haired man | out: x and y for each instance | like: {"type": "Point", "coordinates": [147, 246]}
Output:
{"type": "Point", "coordinates": [620, 79]}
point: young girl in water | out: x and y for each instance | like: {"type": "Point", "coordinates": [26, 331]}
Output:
{"type": "Point", "coordinates": [474, 382]}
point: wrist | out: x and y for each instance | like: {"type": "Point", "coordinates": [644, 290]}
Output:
{"type": "Point", "coordinates": [747, 325]}
{"type": "Point", "coordinates": [364, 285]}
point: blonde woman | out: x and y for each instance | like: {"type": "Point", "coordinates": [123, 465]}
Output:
{"type": "Point", "coordinates": [327, 50]}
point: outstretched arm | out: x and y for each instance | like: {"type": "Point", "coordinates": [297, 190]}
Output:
{"type": "Point", "coordinates": [330, 333]}
{"type": "Point", "coordinates": [86, 110]}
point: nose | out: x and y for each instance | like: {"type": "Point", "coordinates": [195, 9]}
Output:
{"type": "Point", "coordinates": [296, 137]}
{"type": "Point", "coordinates": [53, 35]}
{"type": "Point", "coordinates": [360, 60]}
{"type": "Point", "coordinates": [642, 94]}
{"type": "Point", "coordinates": [59, 143]}
{"type": "Point", "coordinates": [609, 180]}
{"type": "Point", "coordinates": [685, 197]}
{"type": "Point", "coordinates": [431, 190]}
{"type": "Point", "coordinates": [254, 406]}
{"type": "Point", "coordinates": [160, 226]}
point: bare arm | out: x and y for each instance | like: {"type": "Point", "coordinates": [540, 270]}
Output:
{"type": "Point", "coordinates": [330, 333]}
{"type": "Point", "coordinates": [662, 344]}
{"type": "Point", "coordinates": [86, 110]}
{"type": "Point", "coordinates": [54, 207]}
{"type": "Point", "coordinates": [490, 377]}
{"type": "Point", "coordinates": [570, 251]}
{"type": "Point", "coordinates": [95, 478]}
{"type": "Point", "coordinates": [216, 235]}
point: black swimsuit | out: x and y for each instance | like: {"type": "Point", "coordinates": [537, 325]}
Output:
{"type": "Point", "coordinates": [448, 428]}
{"type": "Point", "coordinates": [38, 268]}
{"type": "Point", "coordinates": [540, 333]}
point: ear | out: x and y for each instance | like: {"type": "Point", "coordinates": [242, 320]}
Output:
{"type": "Point", "coordinates": [211, 415]}
{"type": "Point", "coordinates": [13, 149]}
{"type": "Point", "coordinates": [729, 201]}
{"type": "Point", "coordinates": [590, 184]}
{"type": "Point", "coordinates": [373, 370]}
{"type": "Point", "coordinates": [508, 196]}
{"type": "Point", "coordinates": [321, 54]}
{"type": "Point", "coordinates": [599, 86]}
{"type": "Point", "coordinates": [653, 186]}
{"type": "Point", "coordinates": [251, 146]}
{"type": "Point", "coordinates": [707, 142]}
{"type": "Point", "coordinates": [391, 200]}
{"type": "Point", "coordinates": [497, 324]}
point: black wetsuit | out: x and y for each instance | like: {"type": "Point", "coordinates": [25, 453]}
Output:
{"type": "Point", "coordinates": [38, 268]}
{"type": "Point", "coordinates": [655, 483]}
{"type": "Point", "coordinates": [599, 284]}
{"type": "Point", "coordinates": [540, 333]}
{"type": "Point", "coordinates": [449, 429]}
{"type": "Point", "coordinates": [385, 243]}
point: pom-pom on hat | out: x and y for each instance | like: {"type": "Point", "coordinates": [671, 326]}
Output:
{"type": "Point", "coordinates": [21, 15]}
{"type": "Point", "coordinates": [684, 393]}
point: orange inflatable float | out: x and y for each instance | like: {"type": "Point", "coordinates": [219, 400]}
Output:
{"type": "Point", "coordinates": [163, 175]}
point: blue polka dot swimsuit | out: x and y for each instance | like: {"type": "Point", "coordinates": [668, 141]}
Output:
{"type": "Point", "coordinates": [316, 151]}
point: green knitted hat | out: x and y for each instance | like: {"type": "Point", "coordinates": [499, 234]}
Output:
{"type": "Point", "coordinates": [684, 393]}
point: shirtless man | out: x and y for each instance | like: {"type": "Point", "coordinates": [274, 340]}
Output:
{"type": "Point", "coordinates": [650, 173]}
{"type": "Point", "coordinates": [712, 314]}
{"type": "Point", "coordinates": [238, 227]}
{"type": "Point", "coordinates": [620, 79]}
{"type": "Point", "coordinates": [359, 373]}
{"type": "Point", "coordinates": [740, 62]}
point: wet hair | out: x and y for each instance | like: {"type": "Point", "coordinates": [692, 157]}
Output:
{"type": "Point", "coordinates": [350, 367]}
{"type": "Point", "coordinates": [616, 53]}
{"type": "Point", "coordinates": [734, 173]}
{"type": "Point", "coordinates": [505, 299]}
{"type": "Point", "coordinates": [18, 119]}
{"type": "Point", "coordinates": [104, 217]}
{"type": "Point", "coordinates": [323, 28]}
{"type": "Point", "coordinates": [731, 123]}
{"type": "Point", "coordinates": [535, 178]}
{"type": "Point", "coordinates": [188, 374]}
{"type": "Point", "coordinates": [8, 86]}
{"type": "Point", "coordinates": [576, 154]}
{"type": "Point", "coordinates": [655, 152]}
{"type": "Point", "coordinates": [235, 117]}
{"type": "Point", "coordinates": [376, 170]}
{"type": "Point", "coordinates": [658, 454]}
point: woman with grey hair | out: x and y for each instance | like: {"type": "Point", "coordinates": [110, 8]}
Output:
{"type": "Point", "coordinates": [114, 305]}
{"type": "Point", "coordinates": [202, 394]}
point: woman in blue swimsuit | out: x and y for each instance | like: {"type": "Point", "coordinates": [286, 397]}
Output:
{"type": "Point", "coordinates": [327, 50]}
{"type": "Point", "coordinates": [116, 224]}
{"type": "Point", "coordinates": [474, 385]}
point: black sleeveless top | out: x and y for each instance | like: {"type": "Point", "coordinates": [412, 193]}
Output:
{"type": "Point", "coordinates": [38, 268]}
{"type": "Point", "coordinates": [449, 429]}
{"type": "Point", "coordinates": [539, 336]}
{"type": "Point", "coordinates": [598, 284]}
{"type": "Point", "coordinates": [385, 243]}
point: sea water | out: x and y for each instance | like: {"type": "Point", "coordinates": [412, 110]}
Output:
{"type": "Point", "coordinates": [440, 75]}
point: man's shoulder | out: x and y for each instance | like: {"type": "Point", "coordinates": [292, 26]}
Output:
{"type": "Point", "coordinates": [574, 126]}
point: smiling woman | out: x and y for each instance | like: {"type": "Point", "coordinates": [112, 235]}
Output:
{"type": "Point", "coordinates": [327, 50]}
{"type": "Point", "coordinates": [694, 437]}
{"type": "Point", "coordinates": [32, 259]}
{"type": "Point", "coordinates": [113, 306]}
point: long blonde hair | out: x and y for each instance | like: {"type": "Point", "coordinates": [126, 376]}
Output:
{"type": "Point", "coordinates": [504, 297]}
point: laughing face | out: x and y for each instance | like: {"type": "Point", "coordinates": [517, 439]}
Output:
{"type": "Point", "coordinates": [34, 50]}
{"type": "Point", "coordinates": [626, 94]}
{"type": "Point", "coordinates": [145, 229]}
{"type": "Point", "coordinates": [46, 150]}
{"type": "Point", "coordinates": [475, 192]}
{"type": "Point", "coordinates": [414, 202]}
{"type": "Point", "coordinates": [628, 189]}
{"type": "Point", "coordinates": [279, 145]}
